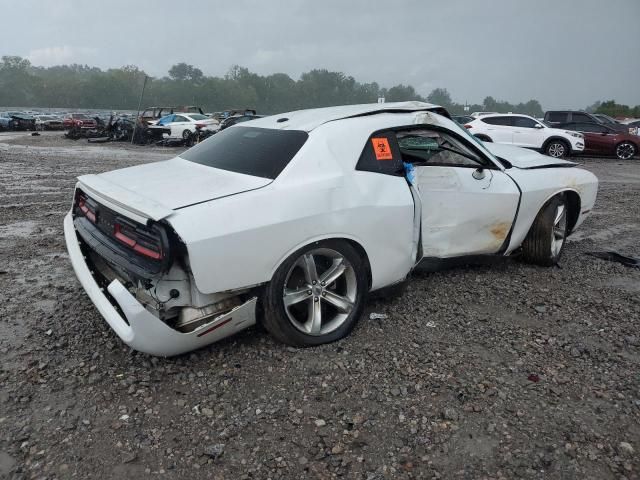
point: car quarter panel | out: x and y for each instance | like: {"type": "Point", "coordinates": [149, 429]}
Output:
{"type": "Point", "coordinates": [240, 241]}
{"type": "Point", "coordinates": [540, 184]}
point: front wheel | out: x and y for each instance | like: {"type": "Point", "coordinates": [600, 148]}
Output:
{"type": "Point", "coordinates": [625, 150]}
{"type": "Point", "coordinates": [317, 295]}
{"type": "Point", "coordinates": [546, 238]}
{"type": "Point", "coordinates": [186, 134]}
{"type": "Point", "coordinates": [557, 149]}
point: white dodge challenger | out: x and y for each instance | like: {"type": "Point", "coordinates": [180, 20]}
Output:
{"type": "Point", "coordinates": [291, 220]}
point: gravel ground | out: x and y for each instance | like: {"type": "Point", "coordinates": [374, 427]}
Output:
{"type": "Point", "coordinates": [489, 371]}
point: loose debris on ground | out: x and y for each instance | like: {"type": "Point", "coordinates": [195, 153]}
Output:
{"type": "Point", "coordinates": [492, 371]}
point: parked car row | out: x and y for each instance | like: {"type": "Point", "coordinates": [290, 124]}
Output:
{"type": "Point", "coordinates": [184, 124]}
{"type": "Point", "coordinates": [17, 121]}
{"type": "Point", "coordinates": [560, 134]}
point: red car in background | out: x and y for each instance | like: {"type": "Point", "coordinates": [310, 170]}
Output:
{"type": "Point", "coordinates": [602, 140]}
{"type": "Point", "coordinates": [78, 120]}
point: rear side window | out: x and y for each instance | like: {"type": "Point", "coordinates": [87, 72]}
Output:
{"type": "Point", "coordinates": [592, 128]}
{"type": "Point", "coordinates": [505, 121]}
{"type": "Point", "coordinates": [381, 155]}
{"type": "Point", "coordinates": [556, 117]}
{"type": "Point", "coordinates": [261, 152]}
{"type": "Point", "coordinates": [582, 117]}
{"type": "Point", "coordinates": [524, 122]}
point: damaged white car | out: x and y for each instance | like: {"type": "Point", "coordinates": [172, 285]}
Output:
{"type": "Point", "coordinates": [293, 219]}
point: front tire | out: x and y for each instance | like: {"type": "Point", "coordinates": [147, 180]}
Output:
{"type": "Point", "coordinates": [546, 238]}
{"type": "Point", "coordinates": [317, 295]}
{"type": "Point", "coordinates": [557, 149]}
{"type": "Point", "coordinates": [186, 134]}
{"type": "Point", "coordinates": [625, 150]}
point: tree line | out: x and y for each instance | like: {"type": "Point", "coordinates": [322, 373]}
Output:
{"type": "Point", "coordinates": [81, 86]}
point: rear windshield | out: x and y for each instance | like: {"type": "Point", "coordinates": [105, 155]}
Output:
{"type": "Point", "coordinates": [261, 152]}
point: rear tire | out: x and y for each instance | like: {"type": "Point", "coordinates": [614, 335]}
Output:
{"type": "Point", "coordinates": [317, 295]}
{"type": "Point", "coordinates": [546, 238]}
{"type": "Point", "coordinates": [186, 134]}
{"type": "Point", "coordinates": [557, 149]}
{"type": "Point", "coordinates": [625, 150]}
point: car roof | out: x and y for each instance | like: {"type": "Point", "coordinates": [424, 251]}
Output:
{"type": "Point", "coordinates": [505, 115]}
{"type": "Point", "coordinates": [308, 120]}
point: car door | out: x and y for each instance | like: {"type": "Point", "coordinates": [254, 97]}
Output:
{"type": "Point", "coordinates": [598, 138]}
{"type": "Point", "coordinates": [179, 124]}
{"type": "Point", "coordinates": [468, 204]}
{"type": "Point", "coordinates": [527, 132]}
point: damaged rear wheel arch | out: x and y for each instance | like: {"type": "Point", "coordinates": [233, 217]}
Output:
{"type": "Point", "coordinates": [574, 205]}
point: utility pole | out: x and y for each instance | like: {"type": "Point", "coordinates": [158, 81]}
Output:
{"type": "Point", "coordinates": [135, 125]}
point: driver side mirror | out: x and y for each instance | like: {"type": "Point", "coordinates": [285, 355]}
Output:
{"type": "Point", "coordinates": [538, 126]}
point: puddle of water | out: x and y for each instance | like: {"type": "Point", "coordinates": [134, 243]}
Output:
{"type": "Point", "coordinates": [603, 234]}
{"type": "Point", "coordinates": [47, 306]}
{"type": "Point", "coordinates": [24, 229]}
{"type": "Point", "coordinates": [627, 284]}
{"type": "Point", "coordinates": [18, 229]}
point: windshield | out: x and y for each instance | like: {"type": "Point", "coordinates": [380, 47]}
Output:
{"type": "Point", "coordinates": [260, 152]}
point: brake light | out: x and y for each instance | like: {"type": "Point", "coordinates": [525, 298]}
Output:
{"type": "Point", "coordinates": [137, 241]}
{"type": "Point", "coordinates": [87, 210]}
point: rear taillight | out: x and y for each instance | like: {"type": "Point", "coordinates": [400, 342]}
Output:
{"type": "Point", "coordinates": [87, 208]}
{"type": "Point", "coordinates": [142, 242]}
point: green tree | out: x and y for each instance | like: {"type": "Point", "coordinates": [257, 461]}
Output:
{"type": "Point", "coordinates": [440, 96]}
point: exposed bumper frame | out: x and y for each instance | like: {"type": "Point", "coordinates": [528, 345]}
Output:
{"type": "Point", "coordinates": [145, 332]}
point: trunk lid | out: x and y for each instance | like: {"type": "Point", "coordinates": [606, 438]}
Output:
{"type": "Point", "coordinates": [154, 190]}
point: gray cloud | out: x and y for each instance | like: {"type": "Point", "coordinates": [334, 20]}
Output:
{"type": "Point", "coordinates": [565, 54]}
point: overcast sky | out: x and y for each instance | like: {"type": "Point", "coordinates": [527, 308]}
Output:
{"type": "Point", "coordinates": [565, 53]}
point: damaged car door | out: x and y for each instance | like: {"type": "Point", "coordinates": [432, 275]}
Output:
{"type": "Point", "coordinates": [468, 203]}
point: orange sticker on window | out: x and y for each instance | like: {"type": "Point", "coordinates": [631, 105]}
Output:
{"type": "Point", "coordinates": [382, 149]}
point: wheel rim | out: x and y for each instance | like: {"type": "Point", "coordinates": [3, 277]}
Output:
{"type": "Point", "coordinates": [556, 150]}
{"type": "Point", "coordinates": [625, 151]}
{"type": "Point", "coordinates": [320, 291]}
{"type": "Point", "coordinates": [559, 230]}
{"type": "Point", "coordinates": [186, 134]}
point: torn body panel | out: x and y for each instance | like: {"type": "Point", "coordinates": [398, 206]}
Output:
{"type": "Point", "coordinates": [537, 190]}
{"type": "Point", "coordinates": [462, 215]}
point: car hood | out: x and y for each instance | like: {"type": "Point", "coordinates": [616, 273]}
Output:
{"type": "Point", "coordinates": [525, 158]}
{"type": "Point", "coordinates": [154, 190]}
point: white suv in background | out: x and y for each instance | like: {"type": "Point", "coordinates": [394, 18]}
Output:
{"type": "Point", "coordinates": [526, 131]}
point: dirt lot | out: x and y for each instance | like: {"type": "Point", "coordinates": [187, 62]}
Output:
{"type": "Point", "coordinates": [491, 371]}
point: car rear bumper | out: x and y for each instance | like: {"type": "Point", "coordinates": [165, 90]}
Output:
{"type": "Point", "coordinates": [139, 328]}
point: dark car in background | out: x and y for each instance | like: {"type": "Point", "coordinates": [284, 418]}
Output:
{"type": "Point", "coordinates": [152, 114]}
{"type": "Point", "coordinates": [602, 139]}
{"type": "Point", "coordinates": [78, 120]}
{"type": "Point", "coordinates": [607, 120]}
{"type": "Point", "coordinates": [19, 121]}
{"type": "Point", "coordinates": [556, 118]}
{"type": "Point", "coordinates": [229, 122]}
{"type": "Point", "coordinates": [48, 122]}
